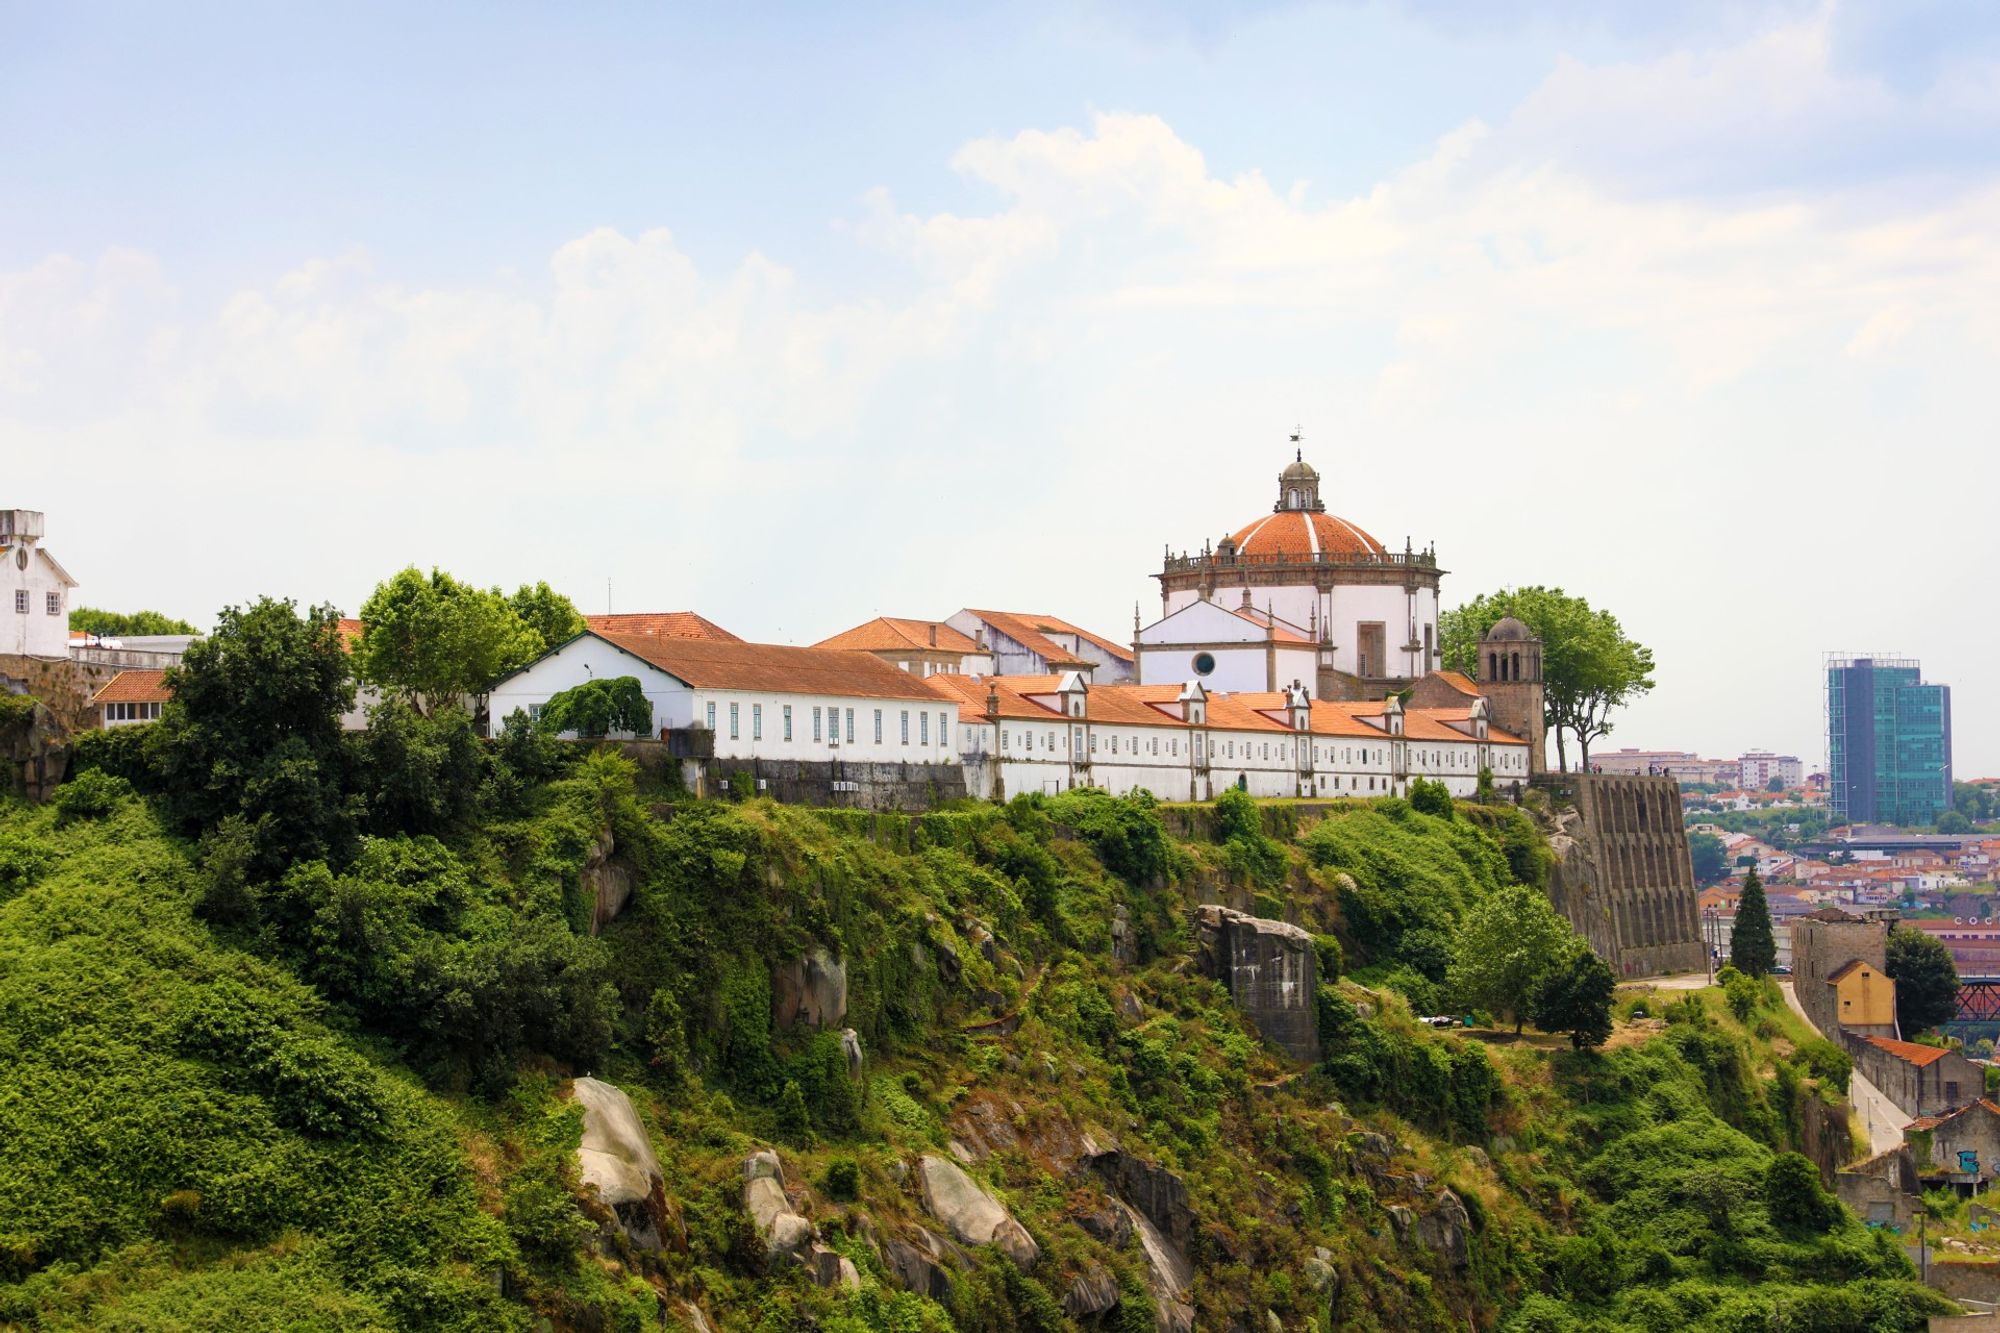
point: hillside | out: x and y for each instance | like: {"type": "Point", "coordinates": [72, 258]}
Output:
{"type": "Point", "coordinates": [335, 1092]}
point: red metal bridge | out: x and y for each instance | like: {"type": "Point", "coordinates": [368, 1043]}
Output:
{"type": "Point", "coordinates": [1978, 1000]}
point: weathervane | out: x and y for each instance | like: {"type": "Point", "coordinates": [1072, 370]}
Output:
{"type": "Point", "coordinates": [1298, 453]}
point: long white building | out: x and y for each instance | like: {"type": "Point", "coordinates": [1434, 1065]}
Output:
{"type": "Point", "coordinates": [1183, 742]}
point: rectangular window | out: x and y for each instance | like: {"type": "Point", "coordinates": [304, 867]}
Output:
{"type": "Point", "coordinates": [906, 726]}
{"type": "Point", "coordinates": [55, 603]}
{"type": "Point", "coordinates": [832, 725]}
{"type": "Point", "coordinates": [944, 727]}
{"type": "Point", "coordinates": [1003, 740]}
{"type": "Point", "coordinates": [850, 726]}
{"type": "Point", "coordinates": [788, 721]}
{"type": "Point", "coordinates": [732, 721]}
{"type": "Point", "coordinates": [878, 726]}
{"type": "Point", "coordinates": [21, 600]}
{"type": "Point", "coordinates": [756, 722]}
{"type": "Point", "coordinates": [711, 715]}
{"type": "Point", "coordinates": [815, 723]}
{"type": "Point", "coordinates": [923, 728]}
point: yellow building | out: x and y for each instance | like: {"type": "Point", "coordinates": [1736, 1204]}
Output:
{"type": "Point", "coordinates": [1864, 998]}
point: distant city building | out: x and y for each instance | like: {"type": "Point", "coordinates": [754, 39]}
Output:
{"type": "Point", "coordinates": [1758, 767]}
{"type": "Point", "coordinates": [1888, 736]}
{"type": "Point", "coordinates": [1688, 767]}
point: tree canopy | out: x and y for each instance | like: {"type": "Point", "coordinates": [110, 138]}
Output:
{"type": "Point", "coordinates": [598, 708]}
{"type": "Point", "coordinates": [432, 640]}
{"type": "Point", "coordinates": [1710, 857]}
{"type": "Point", "coordinates": [1575, 995]}
{"type": "Point", "coordinates": [1752, 946]}
{"type": "Point", "coordinates": [117, 624]}
{"type": "Point", "coordinates": [1590, 667]}
{"type": "Point", "coordinates": [1505, 945]}
{"type": "Point", "coordinates": [552, 616]}
{"type": "Point", "coordinates": [1926, 980]}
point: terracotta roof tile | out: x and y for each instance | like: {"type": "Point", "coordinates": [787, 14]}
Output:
{"type": "Point", "coordinates": [673, 624]}
{"type": "Point", "coordinates": [1304, 534]}
{"type": "Point", "coordinates": [1031, 631]}
{"type": "Point", "coordinates": [732, 664]}
{"type": "Point", "coordinates": [1908, 1051]}
{"type": "Point", "coordinates": [893, 634]}
{"type": "Point", "coordinates": [134, 687]}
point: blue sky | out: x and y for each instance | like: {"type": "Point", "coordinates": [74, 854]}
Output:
{"type": "Point", "coordinates": [795, 315]}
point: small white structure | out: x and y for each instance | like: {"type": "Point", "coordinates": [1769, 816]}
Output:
{"type": "Point", "coordinates": [756, 700]}
{"type": "Point", "coordinates": [1226, 648]}
{"type": "Point", "coordinates": [1026, 644]}
{"type": "Point", "coordinates": [131, 697]}
{"type": "Point", "coordinates": [34, 589]}
{"type": "Point", "coordinates": [1186, 743]}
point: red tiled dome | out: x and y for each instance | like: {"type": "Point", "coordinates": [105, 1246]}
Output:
{"type": "Point", "coordinates": [1305, 534]}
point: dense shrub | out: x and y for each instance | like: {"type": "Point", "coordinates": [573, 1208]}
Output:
{"type": "Point", "coordinates": [91, 794]}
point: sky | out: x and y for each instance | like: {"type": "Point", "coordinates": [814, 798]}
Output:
{"type": "Point", "coordinates": [797, 315]}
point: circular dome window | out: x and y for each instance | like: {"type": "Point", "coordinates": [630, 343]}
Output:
{"type": "Point", "coordinates": [1204, 663]}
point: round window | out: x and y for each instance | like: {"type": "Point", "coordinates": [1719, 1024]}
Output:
{"type": "Point", "coordinates": [1204, 663]}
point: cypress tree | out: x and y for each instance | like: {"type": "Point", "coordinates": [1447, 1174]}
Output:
{"type": "Point", "coordinates": [1752, 948]}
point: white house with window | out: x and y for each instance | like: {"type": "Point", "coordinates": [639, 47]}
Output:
{"type": "Point", "coordinates": [131, 697]}
{"type": "Point", "coordinates": [756, 700]}
{"type": "Point", "coordinates": [34, 589]}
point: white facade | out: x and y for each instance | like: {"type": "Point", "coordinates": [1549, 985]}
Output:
{"type": "Point", "coordinates": [1350, 616]}
{"type": "Point", "coordinates": [1757, 768]}
{"type": "Point", "coordinates": [1224, 650]}
{"type": "Point", "coordinates": [747, 723]}
{"type": "Point", "coordinates": [1191, 744]}
{"type": "Point", "coordinates": [34, 590]}
{"type": "Point", "coordinates": [1022, 644]}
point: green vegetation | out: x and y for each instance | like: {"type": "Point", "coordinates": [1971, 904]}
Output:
{"type": "Point", "coordinates": [1590, 668]}
{"type": "Point", "coordinates": [1710, 857]}
{"type": "Point", "coordinates": [118, 624]}
{"type": "Point", "coordinates": [1926, 980]}
{"type": "Point", "coordinates": [287, 1019]}
{"type": "Point", "coordinates": [599, 707]}
{"type": "Point", "coordinates": [433, 641]}
{"type": "Point", "coordinates": [1753, 949]}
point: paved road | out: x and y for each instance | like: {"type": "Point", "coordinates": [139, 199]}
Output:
{"type": "Point", "coordinates": [1881, 1118]}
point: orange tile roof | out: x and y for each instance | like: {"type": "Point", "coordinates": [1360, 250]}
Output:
{"type": "Point", "coordinates": [1924, 1122]}
{"type": "Point", "coordinates": [893, 634]}
{"type": "Point", "coordinates": [134, 687]}
{"type": "Point", "coordinates": [673, 624]}
{"type": "Point", "coordinates": [350, 630]}
{"type": "Point", "coordinates": [1031, 631]}
{"type": "Point", "coordinates": [732, 664]}
{"type": "Point", "coordinates": [1281, 631]}
{"type": "Point", "coordinates": [1305, 534]}
{"type": "Point", "coordinates": [1457, 680]}
{"type": "Point", "coordinates": [1844, 969]}
{"type": "Point", "coordinates": [1908, 1051]}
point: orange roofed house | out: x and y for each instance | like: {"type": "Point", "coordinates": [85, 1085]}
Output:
{"type": "Point", "coordinates": [920, 647]}
{"type": "Point", "coordinates": [130, 697]}
{"type": "Point", "coordinates": [1027, 644]}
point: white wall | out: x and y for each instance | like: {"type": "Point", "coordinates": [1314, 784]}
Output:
{"type": "Point", "coordinates": [33, 632]}
{"type": "Point", "coordinates": [1340, 612]}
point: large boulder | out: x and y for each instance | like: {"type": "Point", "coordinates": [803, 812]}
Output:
{"type": "Point", "coordinates": [34, 747]}
{"type": "Point", "coordinates": [608, 882]}
{"type": "Point", "coordinates": [916, 1266]}
{"type": "Point", "coordinates": [971, 1214]}
{"type": "Point", "coordinates": [1094, 1292]}
{"type": "Point", "coordinates": [1168, 1276]}
{"type": "Point", "coordinates": [1443, 1229]}
{"type": "Point", "coordinates": [811, 991]}
{"type": "Point", "coordinates": [616, 1159]}
{"type": "Point", "coordinates": [786, 1234]}
{"type": "Point", "coordinates": [1271, 969]}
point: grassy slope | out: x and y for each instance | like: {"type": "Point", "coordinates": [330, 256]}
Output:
{"type": "Point", "coordinates": [191, 1137]}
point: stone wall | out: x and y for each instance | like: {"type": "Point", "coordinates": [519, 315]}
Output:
{"type": "Point", "coordinates": [1949, 1081]}
{"type": "Point", "coordinates": [64, 685]}
{"type": "Point", "coordinates": [1272, 973]}
{"type": "Point", "coordinates": [34, 753]}
{"type": "Point", "coordinates": [864, 786]}
{"type": "Point", "coordinates": [1823, 942]}
{"type": "Point", "coordinates": [1882, 1189]}
{"type": "Point", "coordinates": [1623, 876]}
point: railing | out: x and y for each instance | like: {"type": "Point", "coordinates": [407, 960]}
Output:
{"type": "Point", "coordinates": [1181, 564]}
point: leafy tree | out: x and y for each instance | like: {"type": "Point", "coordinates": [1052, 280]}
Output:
{"type": "Point", "coordinates": [1752, 947]}
{"type": "Point", "coordinates": [1711, 858]}
{"type": "Point", "coordinates": [1574, 996]}
{"type": "Point", "coordinates": [1775, 784]}
{"type": "Point", "coordinates": [253, 729]}
{"type": "Point", "coordinates": [1431, 798]}
{"type": "Point", "coordinates": [598, 708]}
{"type": "Point", "coordinates": [1954, 821]}
{"type": "Point", "coordinates": [1926, 980]}
{"type": "Point", "coordinates": [552, 616]}
{"type": "Point", "coordinates": [1589, 666]}
{"type": "Point", "coordinates": [118, 624]}
{"type": "Point", "coordinates": [1794, 1198]}
{"type": "Point", "coordinates": [1504, 947]}
{"type": "Point", "coordinates": [432, 640]}
{"type": "Point", "coordinates": [418, 774]}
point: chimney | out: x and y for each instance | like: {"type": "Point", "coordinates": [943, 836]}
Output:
{"type": "Point", "coordinates": [933, 634]}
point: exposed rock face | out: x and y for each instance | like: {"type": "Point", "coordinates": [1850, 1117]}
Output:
{"type": "Point", "coordinates": [608, 882]}
{"type": "Point", "coordinates": [786, 1234]}
{"type": "Point", "coordinates": [1271, 970]}
{"type": "Point", "coordinates": [812, 991]}
{"type": "Point", "coordinates": [1157, 1193]}
{"type": "Point", "coordinates": [1168, 1275]}
{"type": "Point", "coordinates": [916, 1266]}
{"type": "Point", "coordinates": [616, 1159]}
{"type": "Point", "coordinates": [36, 754]}
{"type": "Point", "coordinates": [1444, 1228]}
{"type": "Point", "coordinates": [1093, 1293]}
{"type": "Point", "coordinates": [830, 1268]}
{"type": "Point", "coordinates": [1124, 947]}
{"type": "Point", "coordinates": [971, 1214]}
{"type": "Point", "coordinates": [850, 1047]}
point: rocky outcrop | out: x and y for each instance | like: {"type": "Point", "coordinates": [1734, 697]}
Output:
{"type": "Point", "coordinates": [1094, 1292]}
{"type": "Point", "coordinates": [830, 1268]}
{"type": "Point", "coordinates": [34, 746]}
{"type": "Point", "coordinates": [1444, 1229]}
{"type": "Point", "coordinates": [1157, 1193]}
{"type": "Point", "coordinates": [850, 1049]}
{"type": "Point", "coordinates": [616, 1159]}
{"type": "Point", "coordinates": [1168, 1276]}
{"type": "Point", "coordinates": [607, 881]}
{"type": "Point", "coordinates": [1271, 970]}
{"type": "Point", "coordinates": [811, 991]}
{"type": "Point", "coordinates": [786, 1234]}
{"type": "Point", "coordinates": [918, 1266]}
{"type": "Point", "coordinates": [971, 1214]}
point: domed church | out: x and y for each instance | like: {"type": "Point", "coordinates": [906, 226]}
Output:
{"type": "Point", "coordinates": [1297, 594]}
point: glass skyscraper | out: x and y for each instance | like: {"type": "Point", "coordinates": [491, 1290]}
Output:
{"type": "Point", "coordinates": [1888, 741]}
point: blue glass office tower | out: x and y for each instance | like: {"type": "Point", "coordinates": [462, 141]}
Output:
{"type": "Point", "coordinates": [1888, 741]}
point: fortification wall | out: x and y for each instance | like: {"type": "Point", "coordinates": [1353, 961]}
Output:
{"type": "Point", "coordinates": [864, 786]}
{"type": "Point", "coordinates": [1623, 876]}
{"type": "Point", "coordinates": [59, 682]}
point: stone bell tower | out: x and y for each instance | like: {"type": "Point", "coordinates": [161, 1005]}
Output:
{"type": "Point", "coordinates": [1510, 677]}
